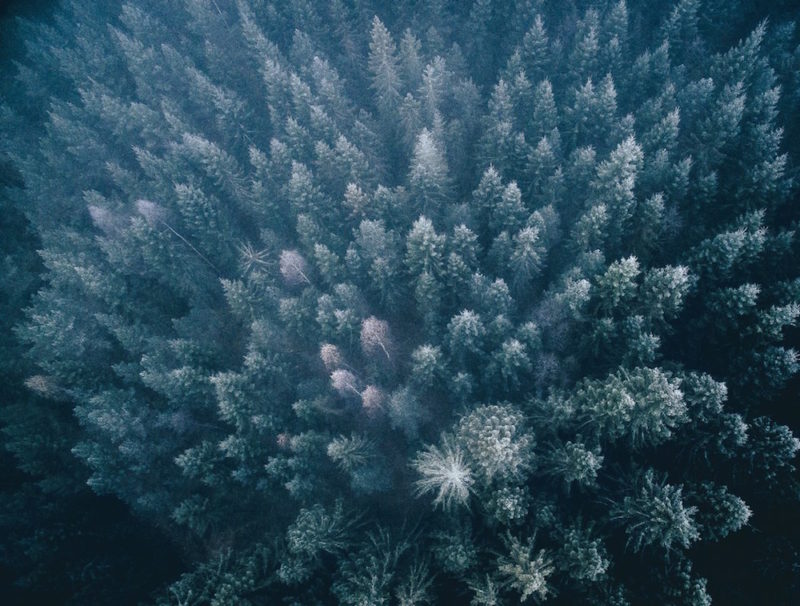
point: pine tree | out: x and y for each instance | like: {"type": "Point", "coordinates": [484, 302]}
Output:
{"type": "Point", "coordinates": [656, 515]}
{"type": "Point", "coordinates": [428, 176]}
{"type": "Point", "coordinates": [383, 66]}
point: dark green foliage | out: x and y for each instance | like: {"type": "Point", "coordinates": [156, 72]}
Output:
{"type": "Point", "coordinates": [420, 303]}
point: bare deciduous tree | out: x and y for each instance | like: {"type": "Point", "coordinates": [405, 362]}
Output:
{"type": "Point", "coordinates": [294, 268]}
{"type": "Point", "coordinates": [345, 383]}
{"type": "Point", "coordinates": [375, 337]}
{"type": "Point", "coordinates": [331, 356]}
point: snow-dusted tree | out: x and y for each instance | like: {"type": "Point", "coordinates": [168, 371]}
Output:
{"type": "Point", "coordinates": [345, 383]}
{"type": "Point", "coordinates": [375, 337]}
{"type": "Point", "coordinates": [525, 572]}
{"type": "Point", "coordinates": [444, 471]}
{"type": "Point", "coordinates": [294, 268]}
{"type": "Point", "coordinates": [655, 514]}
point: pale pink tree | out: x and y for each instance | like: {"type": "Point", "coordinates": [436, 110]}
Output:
{"type": "Point", "coordinates": [105, 220]}
{"type": "Point", "coordinates": [375, 337]}
{"type": "Point", "coordinates": [345, 383]}
{"type": "Point", "coordinates": [151, 212]}
{"type": "Point", "coordinates": [372, 399]}
{"type": "Point", "coordinates": [294, 268]}
{"type": "Point", "coordinates": [331, 356]}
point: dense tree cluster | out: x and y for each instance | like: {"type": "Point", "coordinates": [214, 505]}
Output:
{"type": "Point", "coordinates": [403, 303]}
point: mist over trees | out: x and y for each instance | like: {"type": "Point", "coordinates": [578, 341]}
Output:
{"type": "Point", "coordinates": [351, 302]}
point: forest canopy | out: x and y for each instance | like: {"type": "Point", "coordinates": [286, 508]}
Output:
{"type": "Point", "coordinates": [370, 303]}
